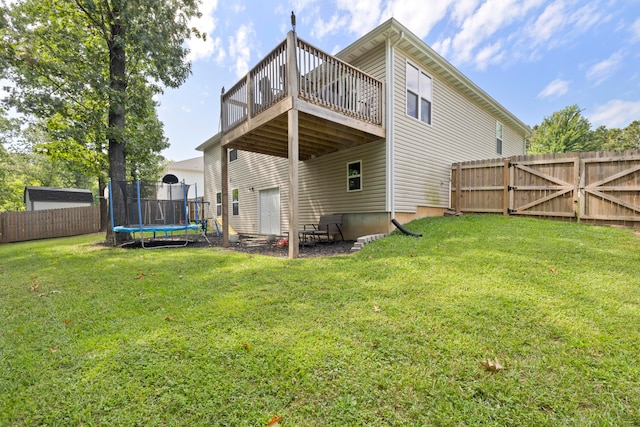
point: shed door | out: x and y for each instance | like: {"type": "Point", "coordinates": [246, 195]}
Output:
{"type": "Point", "coordinates": [270, 211]}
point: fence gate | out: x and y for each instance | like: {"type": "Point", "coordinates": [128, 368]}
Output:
{"type": "Point", "coordinates": [544, 187]}
{"type": "Point", "coordinates": [597, 187]}
{"type": "Point", "coordinates": [610, 189]}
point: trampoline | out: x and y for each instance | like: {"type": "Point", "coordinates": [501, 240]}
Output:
{"type": "Point", "coordinates": [159, 213]}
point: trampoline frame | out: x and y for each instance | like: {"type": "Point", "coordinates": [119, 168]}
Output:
{"type": "Point", "coordinates": [159, 228]}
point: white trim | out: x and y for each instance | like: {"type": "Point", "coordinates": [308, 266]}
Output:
{"type": "Point", "coordinates": [421, 71]}
{"type": "Point", "coordinates": [390, 66]}
{"type": "Point", "coordinates": [354, 176]}
{"type": "Point", "coordinates": [259, 206]}
{"type": "Point", "coordinates": [229, 154]}
{"type": "Point", "coordinates": [235, 201]}
{"type": "Point", "coordinates": [501, 127]}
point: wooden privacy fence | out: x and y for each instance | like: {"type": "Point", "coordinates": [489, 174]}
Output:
{"type": "Point", "coordinates": [597, 187]}
{"type": "Point", "coordinates": [21, 226]}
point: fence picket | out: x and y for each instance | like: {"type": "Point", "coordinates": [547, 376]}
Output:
{"type": "Point", "coordinates": [595, 187]}
{"type": "Point", "coordinates": [44, 224]}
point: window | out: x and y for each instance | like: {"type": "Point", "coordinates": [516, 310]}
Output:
{"type": "Point", "coordinates": [499, 138]}
{"type": "Point", "coordinates": [354, 176]}
{"type": "Point", "coordinates": [218, 204]}
{"type": "Point", "coordinates": [235, 203]}
{"type": "Point", "coordinates": [419, 87]}
{"type": "Point", "coordinates": [233, 154]}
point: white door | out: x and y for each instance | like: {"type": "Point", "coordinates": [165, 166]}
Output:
{"type": "Point", "coordinates": [270, 211]}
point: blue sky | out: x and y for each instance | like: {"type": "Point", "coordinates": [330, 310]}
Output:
{"type": "Point", "coordinates": [533, 56]}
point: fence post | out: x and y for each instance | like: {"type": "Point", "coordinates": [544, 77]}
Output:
{"type": "Point", "coordinates": [459, 188]}
{"type": "Point", "coordinates": [506, 182]}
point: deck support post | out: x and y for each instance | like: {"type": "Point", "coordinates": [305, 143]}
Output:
{"type": "Point", "coordinates": [224, 158]}
{"type": "Point", "coordinates": [293, 143]}
{"type": "Point", "coordinates": [293, 184]}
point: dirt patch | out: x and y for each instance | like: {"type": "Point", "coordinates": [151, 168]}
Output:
{"type": "Point", "coordinates": [254, 246]}
{"type": "Point", "coordinates": [262, 247]}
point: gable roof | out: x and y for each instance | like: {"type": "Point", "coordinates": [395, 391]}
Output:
{"type": "Point", "coordinates": [421, 52]}
{"type": "Point", "coordinates": [215, 139]}
{"type": "Point", "coordinates": [195, 164]}
{"type": "Point", "coordinates": [51, 194]}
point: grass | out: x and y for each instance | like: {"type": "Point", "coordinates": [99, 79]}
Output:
{"type": "Point", "coordinates": [392, 335]}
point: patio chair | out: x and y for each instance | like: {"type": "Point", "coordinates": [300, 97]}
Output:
{"type": "Point", "coordinates": [329, 227]}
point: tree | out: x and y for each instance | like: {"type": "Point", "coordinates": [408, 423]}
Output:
{"type": "Point", "coordinates": [97, 63]}
{"type": "Point", "coordinates": [564, 131]}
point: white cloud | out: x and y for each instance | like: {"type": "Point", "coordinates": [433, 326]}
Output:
{"type": "Point", "coordinates": [322, 28]}
{"type": "Point", "coordinates": [491, 16]}
{"type": "Point", "coordinates": [240, 48]}
{"type": "Point", "coordinates": [417, 16]}
{"type": "Point", "coordinates": [550, 21]}
{"type": "Point", "coordinates": [462, 9]}
{"type": "Point", "coordinates": [603, 70]}
{"type": "Point", "coordinates": [442, 46]}
{"type": "Point", "coordinates": [588, 16]}
{"type": "Point", "coordinates": [488, 55]}
{"type": "Point", "coordinates": [364, 14]}
{"type": "Point", "coordinates": [616, 113]}
{"type": "Point", "coordinates": [202, 49]}
{"type": "Point", "coordinates": [635, 31]}
{"type": "Point", "coordinates": [558, 87]}
{"type": "Point", "coordinates": [300, 5]}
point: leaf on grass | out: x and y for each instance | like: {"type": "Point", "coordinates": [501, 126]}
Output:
{"type": "Point", "coordinates": [34, 287]}
{"type": "Point", "coordinates": [275, 421]}
{"type": "Point", "coordinates": [247, 346]}
{"type": "Point", "coordinates": [67, 321]}
{"type": "Point", "coordinates": [553, 270]}
{"type": "Point", "coordinates": [376, 309]}
{"type": "Point", "coordinates": [141, 276]}
{"type": "Point", "coordinates": [492, 365]}
{"type": "Point", "coordinates": [54, 348]}
{"type": "Point", "coordinates": [169, 319]}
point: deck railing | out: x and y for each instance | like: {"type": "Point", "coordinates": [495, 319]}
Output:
{"type": "Point", "coordinates": [323, 80]}
{"type": "Point", "coordinates": [330, 82]}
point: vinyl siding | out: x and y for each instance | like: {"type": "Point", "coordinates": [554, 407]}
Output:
{"type": "Point", "coordinates": [372, 63]}
{"type": "Point", "coordinates": [250, 173]}
{"type": "Point", "coordinates": [460, 131]}
{"type": "Point", "coordinates": [322, 184]}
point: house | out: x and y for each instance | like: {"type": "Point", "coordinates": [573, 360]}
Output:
{"type": "Point", "coordinates": [41, 198]}
{"type": "Point", "coordinates": [191, 171]}
{"type": "Point", "coordinates": [369, 133]}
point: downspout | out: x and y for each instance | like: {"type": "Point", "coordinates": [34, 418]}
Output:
{"type": "Point", "coordinates": [390, 57]}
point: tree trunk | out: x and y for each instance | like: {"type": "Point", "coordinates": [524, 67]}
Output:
{"type": "Point", "coordinates": [117, 97]}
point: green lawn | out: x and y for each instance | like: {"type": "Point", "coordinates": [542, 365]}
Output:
{"type": "Point", "coordinates": [393, 335]}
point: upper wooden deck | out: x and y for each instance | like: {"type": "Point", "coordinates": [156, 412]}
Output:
{"type": "Point", "coordinates": [339, 106]}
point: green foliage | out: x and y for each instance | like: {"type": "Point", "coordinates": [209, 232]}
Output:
{"type": "Point", "coordinates": [60, 55]}
{"type": "Point", "coordinates": [568, 131]}
{"type": "Point", "coordinates": [392, 335]}
{"type": "Point", "coordinates": [618, 139]}
{"type": "Point", "coordinates": [564, 131]}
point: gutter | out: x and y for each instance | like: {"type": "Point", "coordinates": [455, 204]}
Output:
{"type": "Point", "coordinates": [390, 61]}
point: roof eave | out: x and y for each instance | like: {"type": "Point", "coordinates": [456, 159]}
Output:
{"type": "Point", "coordinates": [215, 139]}
{"type": "Point", "coordinates": [442, 67]}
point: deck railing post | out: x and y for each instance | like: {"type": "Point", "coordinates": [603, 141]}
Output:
{"type": "Point", "coordinates": [250, 97]}
{"type": "Point", "coordinates": [293, 76]}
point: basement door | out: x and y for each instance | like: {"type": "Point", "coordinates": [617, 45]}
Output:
{"type": "Point", "coordinates": [269, 211]}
